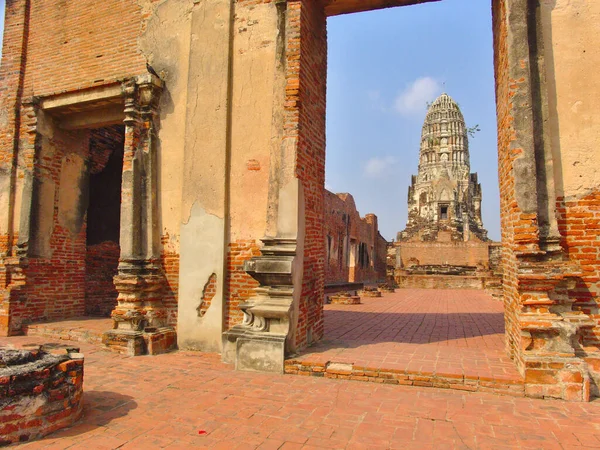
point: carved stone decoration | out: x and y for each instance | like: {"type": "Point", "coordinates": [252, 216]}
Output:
{"type": "Point", "coordinates": [444, 193]}
{"type": "Point", "coordinates": [259, 342]}
{"type": "Point", "coordinates": [140, 316]}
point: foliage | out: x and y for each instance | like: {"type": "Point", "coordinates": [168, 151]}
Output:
{"type": "Point", "coordinates": [472, 130]}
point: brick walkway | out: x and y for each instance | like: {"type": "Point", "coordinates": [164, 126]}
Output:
{"type": "Point", "coordinates": [81, 329]}
{"type": "Point", "coordinates": [189, 400]}
{"type": "Point", "coordinates": [427, 337]}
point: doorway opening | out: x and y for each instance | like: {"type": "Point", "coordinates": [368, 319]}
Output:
{"type": "Point", "coordinates": [103, 219]}
{"type": "Point", "coordinates": [74, 247]}
{"type": "Point", "coordinates": [425, 329]}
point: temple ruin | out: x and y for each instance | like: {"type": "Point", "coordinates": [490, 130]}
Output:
{"type": "Point", "coordinates": [444, 244]}
{"type": "Point", "coordinates": [218, 110]}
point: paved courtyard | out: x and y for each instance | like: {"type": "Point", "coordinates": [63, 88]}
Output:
{"type": "Point", "coordinates": [187, 400]}
{"type": "Point", "coordinates": [193, 400]}
{"type": "Point", "coordinates": [438, 337]}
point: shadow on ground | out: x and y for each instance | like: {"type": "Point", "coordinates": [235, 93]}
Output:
{"type": "Point", "coordinates": [409, 328]}
{"type": "Point", "coordinates": [99, 409]}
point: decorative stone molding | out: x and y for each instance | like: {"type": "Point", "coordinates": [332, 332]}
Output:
{"type": "Point", "coordinates": [260, 341]}
{"type": "Point", "coordinates": [140, 281]}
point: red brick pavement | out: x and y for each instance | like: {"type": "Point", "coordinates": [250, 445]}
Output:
{"type": "Point", "coordinates": [444, 338]}
{"type": "Point", "coordinates": [166, 401]}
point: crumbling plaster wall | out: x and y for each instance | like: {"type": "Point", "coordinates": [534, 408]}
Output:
{"type": "Point", "coordinates": [215, 145]}
{"type": "Point", "coordinates": [571, 30]}
{"type": "Point", "coordinates": [572, 54]}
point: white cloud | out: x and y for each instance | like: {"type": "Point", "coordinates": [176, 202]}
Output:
{"type": "Point", "coordinates": [413, 99]}
{"type": "Point", "coordinates": [378, 167]}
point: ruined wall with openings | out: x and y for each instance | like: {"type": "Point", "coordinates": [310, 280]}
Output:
{"type": "Point", "coordinates": [354, 249]}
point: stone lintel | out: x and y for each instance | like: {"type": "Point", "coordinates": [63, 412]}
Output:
{"type": "Point", "coordinates": [79, 98]}
{"type": "Point", "coordinates": [101, 117]}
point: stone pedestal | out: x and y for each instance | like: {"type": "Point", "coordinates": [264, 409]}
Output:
{"type": "Point", "coordinates": [259, 343]}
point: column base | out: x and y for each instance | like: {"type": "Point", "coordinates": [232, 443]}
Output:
{"type": "Point", "coordinates": [254, 350]}
{"type": "Point", "coordinates": [136, 343]}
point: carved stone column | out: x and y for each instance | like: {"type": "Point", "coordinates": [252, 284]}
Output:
{"type": "Point", "coordinates": [139, 319]}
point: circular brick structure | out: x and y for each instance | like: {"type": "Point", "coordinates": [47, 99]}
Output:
{"type": "Point", "coordinates": [40, 392]}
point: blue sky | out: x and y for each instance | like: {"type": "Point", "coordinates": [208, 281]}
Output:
{"type": "Point", "coordinates": [383, 66]}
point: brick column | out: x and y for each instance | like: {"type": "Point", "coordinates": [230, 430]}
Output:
{"type": "Point", "coordinates": [12, 75]}
{"type": "Point", "coordinates": [542, 329]}
{"type": "Point", "coordinates": [139, 318]}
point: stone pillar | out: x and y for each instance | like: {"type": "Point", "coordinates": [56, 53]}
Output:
{"type": "Point", "coordinates": [139, 319]}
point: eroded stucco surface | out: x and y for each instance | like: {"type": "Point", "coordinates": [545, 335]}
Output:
{"type": "Point", "coordinates": [571, 29]}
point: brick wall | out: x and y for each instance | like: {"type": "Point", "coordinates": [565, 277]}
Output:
{"type": "Point", "coordinates": [579, 226]}
{"type": "Point", "coordinates": [101, 263]}
{"type": "Point", "coordinates": [73, 45]}
{"type": "Point", "coordinates": [56, 274]}
{"type": "Point", "coordinates": [305, 119]}
{"type": "Point", "coordinates": [437, 253]}
{"type": "Point", "coordinates": [239, 286]}
{"type": "Point", "coordinates": [103, 219]}
{"type": "Point", "coordinates": [509, 212]}
{"type": "Point", "coordinates": [344, 227]}
{"type": "Point", "coordinates": [169, 259]}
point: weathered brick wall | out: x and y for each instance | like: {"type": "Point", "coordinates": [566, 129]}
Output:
{"type": "Point", "coordinates": [101, 262]}
{"type": "Point", "coordinates": [509, 212]}
{"type": "Point", "coordinates": [381, 246]}
{"type": "Point", "coordinates": [56, 275]}
{"type": "Point", "coordinates": [447, 282]}
{"type": "Point", "coordinates": [239, 286]}
{"type": "Point", "coordinates": [12, 72]}
{"type": "Point", "coordinates": [579, 225]}
{"type": "Point", "coordinates": [437, 253]}
{"type": "Point", "coordinates": [170, 264]}
{"type": "Point", "coordinates": [73, 45]}
{"type": "Point", "coordinates": [103, 219]}
{"type": "Point", "coordinates": [51, 47]}
{"type": "Point", "coordinates": [305, 121]}
{"type": "Point", "coordinates": [345, 227]}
